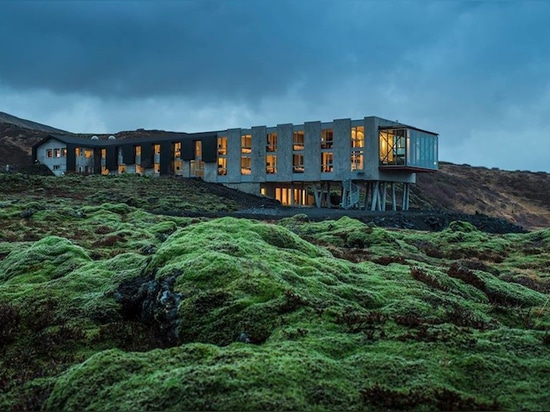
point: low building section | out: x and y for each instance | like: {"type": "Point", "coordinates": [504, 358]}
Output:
{"type": "Point", "coordinates": [367, 163]}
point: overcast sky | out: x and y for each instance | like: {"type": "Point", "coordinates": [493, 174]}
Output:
{"type": "Point", "coordinates": [477, 73]}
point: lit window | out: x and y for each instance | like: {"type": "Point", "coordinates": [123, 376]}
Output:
{"type": "Point", "coordinates": [271, 142]}
{"type": "Point", "coordinates": [358, 136]}
{"type": "Point", "coordinates": [246, 165]}
{"type": "Point", "coordinates": [246, 143]}
{"type": "Point", "coordinates": [356, 160]}
{"type": "Point", "coordinates": [298, 140]}
{"type": "Point", "coordinates": [271, 164]}
{"type": "Point", "coordinates": [137, 151]}
{"type": "Point", "coordinates": [222, 145]}
{"type": "Point", "coordinates": [197, 168]}
{"type": "Point", "coordinates": [156, 149]}
{"type": "Point", "coordinates": [64, 152]}
{"type": "Point", "coordinates": [177, 150]}
{"type": "Point", "coordinates": [327, 137]}
{"type": "Point", "coordinates": [298, 163]}
{"type": "Point", "coordinates": [392, 146]}
{"type": "Point", "coordinates": [222, 166]}
{"type": "Point", "coordinates": [88, 153]}
{"type": "Point", "coordinates": [326, 162]}
{"type": "Point", "coordinates": [57, 152]}
{"type": "Point", "coordinates": [49, 153]}
{"type": "Point", "coordinates": [222, 155]}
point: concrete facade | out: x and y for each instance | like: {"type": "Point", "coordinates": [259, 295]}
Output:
{"type": "Point", "coordinates": [348, 163]}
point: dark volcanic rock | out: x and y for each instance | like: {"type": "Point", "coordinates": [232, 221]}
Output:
{"type": "Point", "coordinates": [152, 302]}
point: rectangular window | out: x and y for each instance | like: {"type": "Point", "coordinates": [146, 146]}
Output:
{"type": "Point", "coordinates": [356, 160]}
{"type": "Point", "coordinates": [271, 164]}
{"type": "Point", "coordinates": [393, 146]}
{"type": "Point", "coordinates": [64, 152]}
{"type": "Point", "coordinates": [298, 140]}
{"type": "Point", "coordinates": [222, 155]}
{"type": "Point", "coordinates": [271, 142]}
{"type": "Point", "coordinates": [49, 153]}
{"type": "Point", "coordinates": [156, 149]}
{"type": "Point", "coordinates": [177, 150]}
{"type": "Point", "coordinates": [56, 167]}
{"type": "Point", "coordinates": [326, 162]}
{"type": "Point", "coordinates": [137, 151]}
{"type": "Point", "coordinates": [222, 145]}
{"type": "Point", "coordinates": [222, 166]}
{"type": "Point", "coordinates": [197, 168]}
{"type": "Point", "coordinates": [246, 143]}
{"type": "Point", "coordinates": [298, 163]}
{"type": "Point", "coordinates": [78, 152]}
{"type": "Point", "coordinates": [327, 137]}
{"type": "Point", "coordinates": [88, 153]}
{"type": "Point", "coordinates": [57, 152]}
{"type": "Point", "coordinates": [246, 165]}
{"type": "Point", "coordinates": [198, 149]}
{"type": "Point", "coordinates": [358, 136]}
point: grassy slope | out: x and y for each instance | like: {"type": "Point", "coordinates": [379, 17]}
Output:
{"type": "Point", "coordinates": [339, 315]}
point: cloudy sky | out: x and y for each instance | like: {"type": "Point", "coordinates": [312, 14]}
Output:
{"type": "Point", "coordinates": [477, 73]}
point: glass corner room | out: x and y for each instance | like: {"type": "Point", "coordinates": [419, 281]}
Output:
{"type": "Point", "coordinates": [408, 148]}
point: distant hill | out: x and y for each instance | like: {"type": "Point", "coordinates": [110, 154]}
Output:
{"type": "Point", "coordinates": [521, 197]}
{"type": "Point", "coordinates": [6, 118]}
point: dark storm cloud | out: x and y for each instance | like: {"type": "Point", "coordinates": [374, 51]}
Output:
{"type": "Point", "coordinates": [476, 72]}
{"type": "Point", "coordinates": [218, 48]}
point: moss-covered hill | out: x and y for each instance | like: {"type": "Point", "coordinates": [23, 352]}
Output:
{"type": "Point", "coordinates": [106, 306]}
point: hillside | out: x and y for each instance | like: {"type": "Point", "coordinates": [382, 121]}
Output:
{"type": "Point", "coordinates": [108, 302]}
{"type": "Point", "coordinates": [521, 197]}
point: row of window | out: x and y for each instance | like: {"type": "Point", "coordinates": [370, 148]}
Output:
{"type": "Point", "coordinates": [57, 152]}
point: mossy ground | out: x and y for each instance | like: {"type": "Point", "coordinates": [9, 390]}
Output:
{"type": "Point", "coordinates": [338, 314]}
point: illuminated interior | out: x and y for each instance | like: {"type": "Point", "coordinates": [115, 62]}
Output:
{"type": "Point", "coordinates": [246, 143]}
{"type": "Point", "coordinates": [406, 147]}
{"type": "Point", "coordinates": [222, 155]}
{"type": "Point", "coordinates": [246, 165]}
{"type": "Point", "coordinates": [298, 140]}
{"type": "Point", "coordinates": [104, 170]}
{"type": "Point", "coordinates": [197, 165]}
{"type": "Point", "coordinates": [271, 145]}
{"type": "Point", "coordinates": [356, 160]}
{"type": "Point", "coordinates": [298, 197]}
{"type": "Point", "coordinates": [327, 162]}
{"type": "Point", "coordinates": [393, 146]}
{"type": "Point", "coordinates": [327, 138]}
{"type": "Point", "coordinates": [156, 165]}
{"type": "Point", "coordinates": [271, 164]}
{"type": "Point", "coordinates": [358, 137]}
{"type": "Point", "coordinates": [222, 166]}
{"type": "Point", "coordinates": [298, 163]}
{"type": "Point", "coordinates": [177, 150]}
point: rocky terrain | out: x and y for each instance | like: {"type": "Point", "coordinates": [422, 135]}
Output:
{"type": "Point", "coordinates": [131, 293]}
{"type": "Point", "coordinates": [136, 293]}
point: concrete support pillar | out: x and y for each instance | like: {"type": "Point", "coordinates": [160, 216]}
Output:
{"type": "Point", "coordinates": [317, 196]}
{"type": "Point", "coordinates": [393, 203]}
{"type": "Point", "coordinates": [405, 203]}
{"type": "Point", "coordinates": [375, 194]}
{"type": "Point", "coordinates": [383, 197]}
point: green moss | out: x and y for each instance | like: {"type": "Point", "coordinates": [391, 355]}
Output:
{"type": "Point", "coordinates": [49, 258]}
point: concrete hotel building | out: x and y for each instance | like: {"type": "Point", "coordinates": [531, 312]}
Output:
{"type": "Point", "coordinates": [365, 163]}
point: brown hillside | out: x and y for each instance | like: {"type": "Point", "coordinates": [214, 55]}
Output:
{"type": "Point", "coordinates": [521, 197]}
